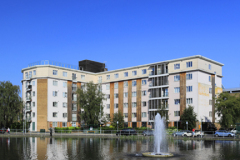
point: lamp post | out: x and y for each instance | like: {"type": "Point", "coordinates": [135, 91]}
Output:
{"type": "Point", "coordinates": [117, 126]}
{"type": "Point", "coordinates": [201, 127]}
{"type": "Point", "coordinates": [187, 124]}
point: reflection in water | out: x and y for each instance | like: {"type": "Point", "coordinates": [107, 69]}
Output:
{"type": "Point", "coordinates": [104, 148]}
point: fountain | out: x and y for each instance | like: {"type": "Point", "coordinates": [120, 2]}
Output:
{"type": "Point", "coordinates": [160, 139]}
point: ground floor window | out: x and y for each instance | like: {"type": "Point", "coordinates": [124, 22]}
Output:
{"type": "Point", "coordinates": [73, 124]}
{"type": "Point", "coordinates": [144, 124]}
{"type": "Point", "coordinates": [64, 124]}
{"type": "Point", "coordinates": [134, 124]}
{"type": "Point", "coordinates": [54, 124]}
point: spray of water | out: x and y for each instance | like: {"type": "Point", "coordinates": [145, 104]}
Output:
{"type": "Point", "coordinates": [160, 139]}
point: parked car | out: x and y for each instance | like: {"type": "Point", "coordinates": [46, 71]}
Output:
{"type": "Point", "coordinates": [3, 130]}
{"type": "Point", "coordinates": [127, 132]}
{"type": "Point", "coordinates": [198, 133]}
{"type": "Point", "coordinates": [147, 133]}
{"type": "Point", "coordinates": [234, 130]}
{"type": "Point", "coordinates": [182, 133]}
{"type": "Point", "coordinates": [224, 133]}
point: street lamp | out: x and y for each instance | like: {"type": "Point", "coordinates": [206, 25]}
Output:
{"type": "Point", "coordinates": [201, 127]}
{"type": "Point", "coordinates": [187, 124]}
{"type": "Point", "coordinates": [117, 125]}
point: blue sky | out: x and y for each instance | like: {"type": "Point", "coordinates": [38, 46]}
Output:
{"type": "Point", "coordinates": [122, 33]}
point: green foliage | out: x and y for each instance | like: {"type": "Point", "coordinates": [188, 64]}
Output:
{"type": "Point", "coordinates": [117, 117]}
{"type": "Point", "coordinates": [228, 107]}
{"type": "Point", "coordinates": [11, 104]}
{"type": "Point", "coordinates": [90, 99]}
{"type": "Point", "coordinates": [172, 127]}
{"type": "Point", "coordinates": [142, 128]}
{"type": "Point", "coordinates": [190, 116]}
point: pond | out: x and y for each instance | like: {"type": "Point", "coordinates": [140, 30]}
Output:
{"type": "Point", "coordinates": [107, 148]}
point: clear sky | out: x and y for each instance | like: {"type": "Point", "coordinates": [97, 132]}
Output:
{"type": "Point", "coordinates": [122, 33]}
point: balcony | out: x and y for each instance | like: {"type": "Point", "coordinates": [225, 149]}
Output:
{"type": "Point", "coordinates": [28, 98]}
{"type": "Point", "coordinates": [99, 81]}
{"type": "Point", "coordinates": [28, 77]}
{"type": "Point", "coordinates": [29, 119]}
{"type": "Point", "coordinates": [74, 79]}
{"type": "Point", "coordinates": [28, 108]}
{"type": "Point", "coordinates": [74, 89]}
{"type": "Point", "coordinates": [29, 87]}
{"type": "Point", "coordinates": [165, 94]}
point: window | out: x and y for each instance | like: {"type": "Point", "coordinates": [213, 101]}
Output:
{"type": "Point", "coordinates": [210, 90]}
{"type": "Point", "coordinates": [210, 114]}
{"type": "Point", "coordinates": [33, 83]}
{"type": "Point", "coordinates": [74, 97]}
{"type": "Point", "coordinates": [108, 106]}
{"type": "Point", "coordinates": [125, 105]}
{"type": "Point", "coordinates": [115, 95]}
{"type": "Point", "coordinates": [144, 103]}
{"type": "Point", "coordinates": [82, 77]}
{"type": "Point", "coordinates": [64, 124]}
{"type": "Point", "coordinates": [108, 77]}
{"type": "Point", "coordinates": [144, 82]}
{"type": "Point", "coordinates": [55, 72]}
{"type": "Point", "coordinates": [189, 101]}
{"type": "Point", "coordinates": [176, 89]}
{"type": "Point", "coordinates": [64, 84]}
{"type": "Point", "coordinates": [116, 85]}
{"type": "Point", "coordinates": [176, 101]}
{"type": "Point", "coordinates": [64, 94]}
{"type": "Point", "coordinates": [144, 114]}
{"type": "Point", "coordinates": [177, 66]}
{"type": "Point", "coordinates": [74, 117]}
{"type": "Point", "coordinates": [134, 73]}
{"type": "Point", "coordinates": [55, 93]}
{"type": "Point", "coordinates": [134, 104]}
{"type": "Point", "coordinates": [134, 115]}
{"type": "Point", "coordinates": [134, 83]}
{"type": "Point", "coordinates": [116, 75]}
{"type": "Point", "coordinates": [125, 74]}
{"type": "Point", "coordinates": [74, 87]}
{"type": "Point", "coordinates": [54, 114]}
{"type": "Point", "coordinates": [209, 66]}
{"type": "Point", "coordinates": [144, 71]}
{"type": "Point", "coordinates": [64, 105]}
{"type": "Point", "coordinates": [26, 75]}
{"type": "Point", "coordinates": [64, 115]}
{"type": "Point", "coordinates": [209, 78]}
{"type": "Point", "coordinates": [107, 86]}
{"type": "Point", "coordinates": [54, 124]}
{"type": "Point", "coordinates": [55, 83]}
{"type": "Point", "coordinates": [144, 93]}
{"type": "Point", "coordinates": [176, 113]}
{"type": "Point", "coordinates": [210, 102]}
{"type": "Point", "coordinates": [108, 96]}
{"type": "Point", "coordinates": [30, 74]}
{"type": "Point", "coordinates": [55, 104]}
{"type": "Point", "coordinates": [189, 64]}
{"type": "Point", "coordinates": [74, 123]}
{"type": "Point", "coordinates": [34, 72]}
{"type": "Point", "coordinates": [33, 104]}
{"type": "Point", "coordinates": [115, 105]}
{"type": "Point", "coordinates": [125, 115]}
{"type": "Point", "coordinates": [64, 74]}
{"type": "Point", "coordinates": [74, 107]}
{"type": "Point", "coordinates": [134, 94]}
{"type": "Point", "coordinates": [125, 83]}
{"type": "Point", "coordinates": [189, 76]}
{"type": "Point", "coordinates": [74, 76]}
{"type": "Point", "coordinates": [33, 114]}
{"type": "Point", "coordinates": [33, 93]}
{"type": "Point", "coordinates": [189, 88]}
{"type": "Point", "coordinates": [100, 79]}
{"type": "Point", "coordinates": [125, 94]}
{"type": "Point", "coordinates": [177, 78]}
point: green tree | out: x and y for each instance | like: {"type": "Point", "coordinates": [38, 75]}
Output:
{"type": "Point", "coordinates": [11, 104]}
{"type": "Point", "coordinates": [117, 117]}
{"type": "Point", "coordinates": [188, 116]}
{"type": "Point", "coordinates": [90, 99]}
{"type": "Point", "coordinates": [228, 108]}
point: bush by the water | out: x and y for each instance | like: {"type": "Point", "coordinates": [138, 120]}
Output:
{"type": "Point", "coordinates": [66, 129]}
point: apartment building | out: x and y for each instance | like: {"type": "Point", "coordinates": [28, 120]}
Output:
{"type": "Point", "coordinates": [139, 92]}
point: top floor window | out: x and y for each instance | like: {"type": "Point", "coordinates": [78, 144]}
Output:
{"type": "Point", "coordinates": [125, 74]}
{"type": "Point", "coordinates": [144, 71]}
{"type": "Point", "coordinates": [34, 72]}
{"type": "Point", "coordinates": [108, 77]}
{"type": "Point", "coordinates": [177, 78]}
{"type": "Point", "coordinates": [55, 72]}
{"type": "Point", "coordinates": [189, 64]}
{"type": "Point", "coordinates": [26, 74]}
{"type": "Point", "coordinates": [116, 75]}
{"type": "Point", "coordinates": [82, 77]}
{"type": "Point", "coordinates": [30, 74]}
{"type": "Point", "coordinates": [64, 74]}
{"type": "Point", "coordinates": [177, 66]}
{"type": "Point", "coordinates": [74, 76]}
{"type": "Point", "coordinates": [134, 73]}
{"type": "Point", "coordinates": [144, 82]}
{"type": "Point", "coordinates": [209, 66]}
{"type": "Point", "coordinates": [125, 84]}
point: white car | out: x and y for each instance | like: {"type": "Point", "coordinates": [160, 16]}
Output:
{"type": "Point", "coordinates": [198, 133]}
{"type": "Point", "coordinates": [187, 133]}
{"type": "Point", "coordinates": [234, 131]}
